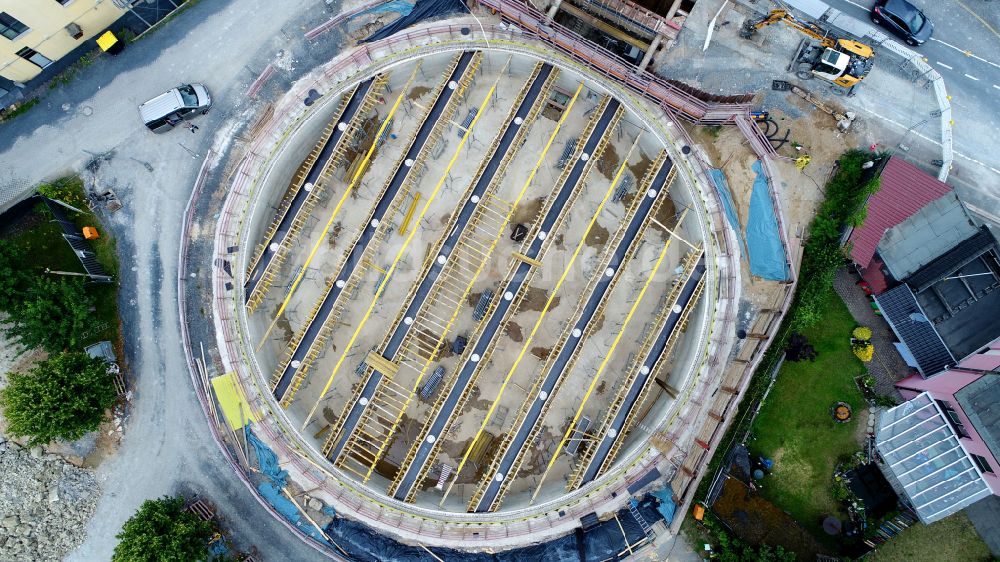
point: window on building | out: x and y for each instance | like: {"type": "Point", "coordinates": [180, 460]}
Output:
{"type": "Point", "coordinates": [953, 419]}
{"type": "Point", "coordinates": [34, 57]}
{"type": "Point", "coordinates": [10, 27]}
{"type": "Point", "coordinates": [983, 464]}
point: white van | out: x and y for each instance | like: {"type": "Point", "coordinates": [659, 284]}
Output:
{"type": "Point", "coordinates": [167, 110]}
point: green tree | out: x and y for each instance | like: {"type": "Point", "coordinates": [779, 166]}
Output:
{"type": "Point", "coordinates": [52, 314]}
{"type": "Point", "coordinates": [12, 278]}
{"type": "Point", "coordinates": [163, 531]}
{"type": "Point", "coordinates": [63, 397]}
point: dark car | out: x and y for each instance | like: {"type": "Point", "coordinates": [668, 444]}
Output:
{"type": "Point", "coordinates": [903, 19]}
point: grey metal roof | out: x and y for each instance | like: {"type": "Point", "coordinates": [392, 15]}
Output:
{"type": "Point", "coordinates": [981, 403]}
{"type": "Point", "coordinates": [922, 452]}
{"type": "Point", "coordinates": [951, 261]}
{"type": "Point", "coordinates": [901, 310]}
{"type": "Point", "coordinates": [933, 230]}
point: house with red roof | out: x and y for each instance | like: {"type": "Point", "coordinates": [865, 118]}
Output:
{"type": "Point", "coordinates": [931, 266]}
{"type": "Point", "coordinates": [905, 190]}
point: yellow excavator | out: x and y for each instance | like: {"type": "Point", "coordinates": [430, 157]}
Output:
{"type": "Point", "coordinates": [844, 62]}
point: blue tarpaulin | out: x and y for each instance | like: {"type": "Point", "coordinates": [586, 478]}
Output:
{"type": "Point", "coordinates": [667, 507]}
{"type": "Point", "coordinates": [601, 542]}
{"type": "Point", "coordinates": [403, 8]}
{"type": "Point", "coordinates": [722, 186]}
{"type": "Point", "coordinates": [281, 504]}
{"type": "Point", "coordinates": [267, 461]}
{"type": "Point", "coordinates": [422, 9]}
{"type": "Point", "coordinates": [767, 253]}
{"type": "Point", "coordinates": [288, 510]}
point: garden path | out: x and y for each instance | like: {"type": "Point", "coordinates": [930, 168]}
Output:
{"type": "Point", "coordinates": [888, 366]}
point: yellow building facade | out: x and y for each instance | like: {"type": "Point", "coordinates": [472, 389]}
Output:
{"type": "Point", "coordinates": [36, 33]}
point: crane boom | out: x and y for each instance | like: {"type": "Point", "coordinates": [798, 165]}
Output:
{"type": "Point", "coordinates": [808, 28]}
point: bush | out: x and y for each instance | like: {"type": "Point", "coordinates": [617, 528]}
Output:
{"type": "Point", "coordinates": [163, 531]}
{"type": "Point", "coordinates": [844, 205]}
{"type": "Point", "coordinates": [68, 190]}
{"type": "Point", "coordinates": [863, 350]}
{"type": "Point", "coordinates": [50, 314]}
{"type": "Point", "coordinates": [19, 109]}
{"type": "Point", "coordinates": [60, 398]}
{"type": "Point", "coordinates": [799, 348]}
{"type": "Point", "coordinates": [862, 333]}
{"type": "Point", "coordinates": [885, 401]}
{"type": "Point", "coordinates": [732, 549]}
{"type": "Point", "coordinates": [13, 279]}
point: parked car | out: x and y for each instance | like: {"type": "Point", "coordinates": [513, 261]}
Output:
{"type": "Point", "coordinates": [167, 110]}
{"type": "Point", "coordinates": [903, 19]}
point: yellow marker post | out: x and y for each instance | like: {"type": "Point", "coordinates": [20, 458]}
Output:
{"type": "Point", "coordinates": [399, 254]}
{"type": "Point", "coordinates": [600, 369]}
{"type": "Point", "coordinates": [534, 330]}
{"type": "Point", "coordinates": [340, 204]}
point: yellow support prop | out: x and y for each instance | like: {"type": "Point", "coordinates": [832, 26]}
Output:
{"type": "Point", "coordinates": [409, 214]}
{"type": "Point", "coordinates": [600, 369]}
{"type": "Point", "coordinates": [395, 262]}
{"type": "Point", "coordinates": [336, 210]}
{"type": "Point", "coordinates": [526, 259]}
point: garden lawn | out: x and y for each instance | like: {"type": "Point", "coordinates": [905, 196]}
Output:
{"type": "Point", "coordinates": [795, 427]}
{"type": "Point", "coordinates": [44, 247]}
{"type": "Point", "coordinates": [952, 538]}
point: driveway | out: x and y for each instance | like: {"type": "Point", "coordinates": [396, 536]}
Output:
{"type": "Point", "coordinates": [167, 447]}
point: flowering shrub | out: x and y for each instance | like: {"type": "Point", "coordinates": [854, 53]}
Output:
{"type": "Point", "coordinates": [863, 350]}
{"type": "Point", "coordinates": [862, 333]}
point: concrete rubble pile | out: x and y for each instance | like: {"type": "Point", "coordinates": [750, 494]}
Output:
{"type": "Point", "coordinates": [45, 503]}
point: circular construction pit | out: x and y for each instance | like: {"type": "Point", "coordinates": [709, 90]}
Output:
{"type": "Point", "coordinates": [469, 294]}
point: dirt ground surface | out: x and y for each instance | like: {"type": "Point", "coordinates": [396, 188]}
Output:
{"type": "Point", "coordinates": [757, 521]}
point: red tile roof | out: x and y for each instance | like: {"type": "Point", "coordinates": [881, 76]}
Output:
{"type": "Point", "coordinates": [905, 190]}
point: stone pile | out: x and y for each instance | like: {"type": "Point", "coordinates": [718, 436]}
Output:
{"type": "Point", "coordinates": [45, 504]}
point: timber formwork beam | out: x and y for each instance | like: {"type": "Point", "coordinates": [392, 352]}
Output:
{"type": "Point", "coordinates": [478, 352]}
{"type": "Point", "coordinates": [381, 407]}
{"type": "Point", "coordinates": [640, 373]}
{"type": "Point", "coordinates": [621, 249]}
{"type": "Point", "coordinates": [295, 363]}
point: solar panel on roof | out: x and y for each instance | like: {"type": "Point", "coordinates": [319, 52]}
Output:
{"type": "Point", "coordinates": [901, 310]}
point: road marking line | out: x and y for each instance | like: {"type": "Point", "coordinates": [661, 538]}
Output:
{"type": "Point", "coordinates": [945, 65]}
{"type": "Point", "coordinates": [972, 77]}
{"type": "Point", "coordinates": [965, 52]}
{"type": "Point", "coordinates": [997, 87]}
{"type": "Point", "coordinates": [858, 5]}
{"type": "Point", "coordinates": [926, 138]}
{"type": "Point", "coordinates": [975, 15]}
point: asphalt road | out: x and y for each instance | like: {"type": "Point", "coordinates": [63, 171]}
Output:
{"type": "Point", "coordinates": [965, 50]}
{"type": "Point", "coordinates": [167, 446]}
